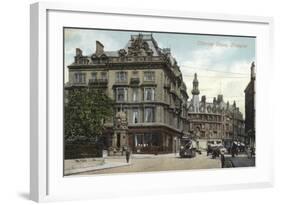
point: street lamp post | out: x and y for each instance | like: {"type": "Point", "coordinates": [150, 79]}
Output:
{"type": "Point", "coordinates": [175, 140]}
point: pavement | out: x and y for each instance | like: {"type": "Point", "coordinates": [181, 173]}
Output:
{"type": "Point", "coordinates": [242, 160]}
{"type": "Point", "coordinates": [106, 165]}
{"type": "Point", "coordinates": [80, 165]}
{"type": "Point", "coordinates": [152, 163]}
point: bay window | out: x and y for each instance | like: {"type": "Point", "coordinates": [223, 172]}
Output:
{"type": "Point", "coordinates": [135, 95]}
{"type": "Point", "coordinates": [149, 114]}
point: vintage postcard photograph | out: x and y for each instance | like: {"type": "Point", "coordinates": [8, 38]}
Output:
{"type": "Point", "coordinates": [148, 101]}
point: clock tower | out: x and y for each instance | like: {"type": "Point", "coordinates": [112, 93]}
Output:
{"type": "Point", "coordinates": [195, 94]}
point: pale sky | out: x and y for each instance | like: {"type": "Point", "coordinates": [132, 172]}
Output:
{"type": "Point", "coordinates": [222, 63]}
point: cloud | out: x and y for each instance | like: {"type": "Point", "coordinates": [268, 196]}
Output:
{"type": "Point", "coordinates": [221, 67]}
{"type": "Point", "coordinates": [86, 40]}
{"type": "Point", "coordinates": [219, 72]}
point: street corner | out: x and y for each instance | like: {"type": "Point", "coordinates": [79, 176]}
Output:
{"type": "Point", "coordinates": [80, 166]}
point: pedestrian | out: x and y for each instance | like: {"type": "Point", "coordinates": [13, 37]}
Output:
{"type": "Point", "coordinates": [128, 155]}
{"type": "Point", "coordinates": [222, 160]}
{"type": "Point", "coordinates": [123, 150]}
{"type": "Point", "coordinates": [252, 151]}
{"type": "Point", "coordinates": [234, 149]}
{"type": "Point", "coordinates": [208, 150]}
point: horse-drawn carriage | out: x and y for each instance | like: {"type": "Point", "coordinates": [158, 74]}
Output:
{"type": "Point", "coordinates": [187, 148]}
{"type": "Point", "coordinates": [215, 148]}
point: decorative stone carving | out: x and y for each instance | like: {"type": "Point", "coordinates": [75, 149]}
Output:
{"type": "Point", "coordinates": [139, 47]}
{"type": "Point", "coordinates": [120, 138]}
{"type": "Point", "coordinates": [209, 108]}
{"type": "Point", "coordinates": [149, 52]}
{"type": "Point", "coordinates": [214, 109]}
{"type": "Point", "coordinates": [121, 121]}
{"type": "Point", "coordinates": [191, 108]}
{"type": "Point", "coordinates": [122, 52]}
{"type": "Point", "coordinates": [202, 108]}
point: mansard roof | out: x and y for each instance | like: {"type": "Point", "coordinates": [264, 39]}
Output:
{"type": "Point", "coordinates": [138, 45]}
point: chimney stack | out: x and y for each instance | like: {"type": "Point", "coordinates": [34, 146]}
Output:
{"type": "Point", "coordinates": [99, 48]}
{"type": "Point", "coordinates": [79, 52]}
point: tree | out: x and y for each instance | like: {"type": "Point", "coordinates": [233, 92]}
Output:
{"type": "Point", "coordinates": [85, 111]}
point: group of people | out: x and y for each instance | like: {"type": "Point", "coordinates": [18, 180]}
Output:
{"type": "Point", "coordinates": [251, 151]}
{"type": "Point", "coordinates": [235, 149]}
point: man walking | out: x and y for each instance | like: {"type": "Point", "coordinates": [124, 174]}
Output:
{"type": "Point", "coordinates": [222, 160]}
{"type": "Point", "coordinates": [128, 155]}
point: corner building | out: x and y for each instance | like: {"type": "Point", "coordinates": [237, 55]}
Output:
{"type": "Point", "coordinates": [213, 121]}
{"type": "Point", "coordinates": [146, 84]}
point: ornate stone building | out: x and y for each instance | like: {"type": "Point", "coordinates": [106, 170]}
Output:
{"type": "Point", "coordinates": [215, 120]}
{"type": "Point", "coordinates": [146, 83]}
{"type": "Point", "coordinates": [250, 108]}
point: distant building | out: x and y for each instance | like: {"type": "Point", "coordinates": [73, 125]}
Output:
{"type": "Point", "coordinates": [215, 120]}
{"type": "Point", "coordinates": [250, 108]}
{"type": "Point", "coordinates": [146, 83]}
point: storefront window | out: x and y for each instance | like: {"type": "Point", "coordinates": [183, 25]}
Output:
{"type": "Point", "coordinates": [147, 140]}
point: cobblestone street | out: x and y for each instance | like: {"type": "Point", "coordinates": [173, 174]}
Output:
{"type": "Point", "coordinates": [150, 163]}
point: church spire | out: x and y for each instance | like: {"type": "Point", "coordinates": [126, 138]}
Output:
{"type": "Point", "coordinates": [253, 73]}
{"type": "Point", "coordinates": [195, 90]}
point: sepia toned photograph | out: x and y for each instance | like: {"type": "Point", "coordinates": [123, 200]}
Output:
{"type": "Point", "coordinates": [148, 101]}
